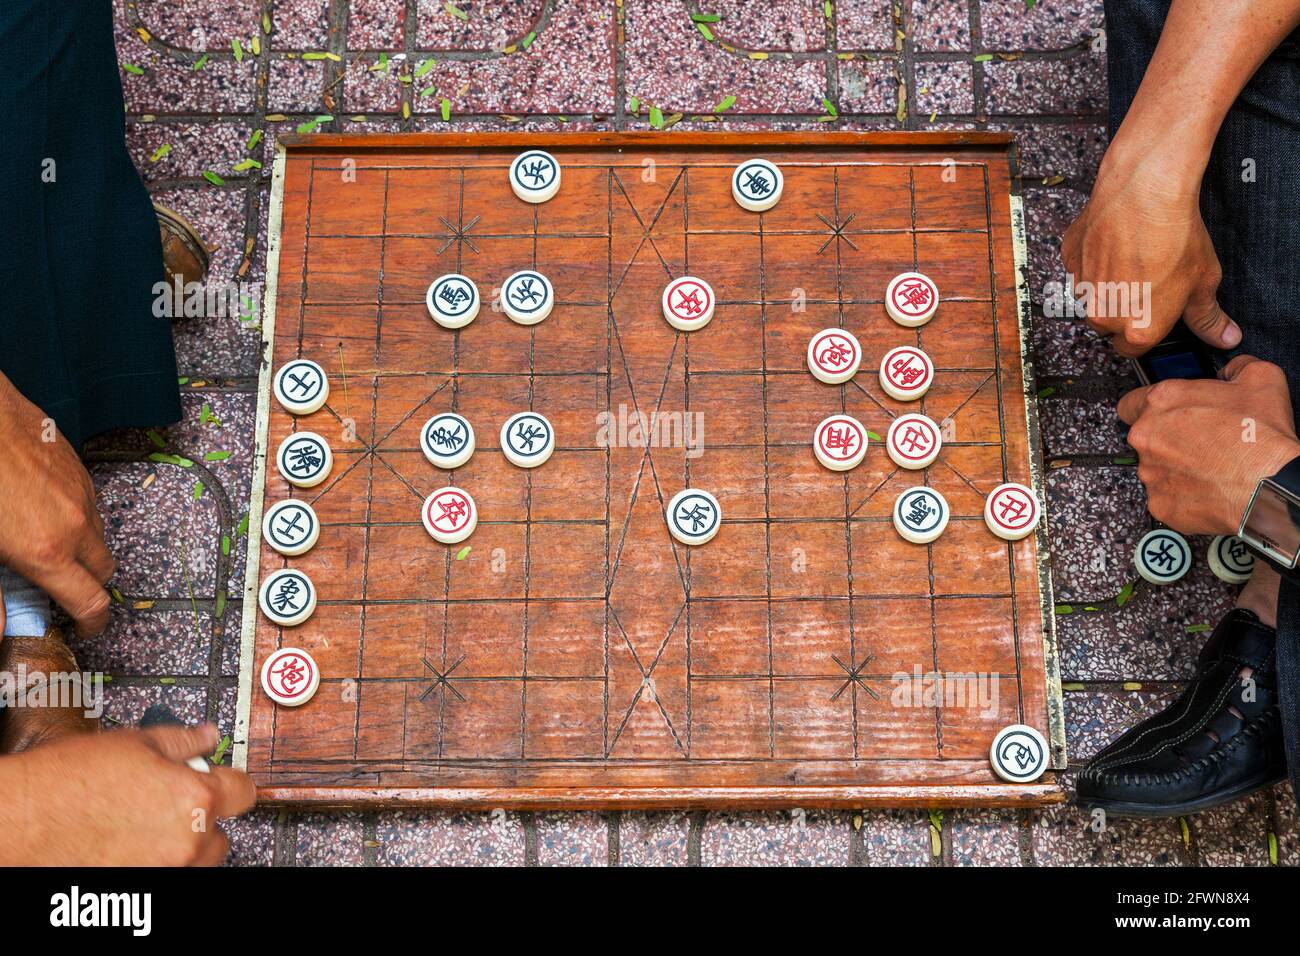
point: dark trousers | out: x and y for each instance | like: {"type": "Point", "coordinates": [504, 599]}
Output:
{"type": "Point", "coordinates": [1250, 199]}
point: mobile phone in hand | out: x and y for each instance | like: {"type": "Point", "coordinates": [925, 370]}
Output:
{"type": "Point", "coordinates": [1180, 354]}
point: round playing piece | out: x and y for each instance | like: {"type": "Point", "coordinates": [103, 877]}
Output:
{"type": "Point", "coordinates": [906, 373]}
{"type": "Point", "coordinates": [291, 527]}
{"type": "Point", "coordinates": [920, 515]}
{"type": "Point", "coordinates": [304, 459]}
{"type": "Point", "coordinates": [287, 597]}
{"type": "Point", "coordinates": [688, 303]}
{"type": "Point", "coordinates": [1230, 559]}
{"type": "Point", "coordinates": [1019, 754]}
{"type": "Point", "coordinates": [911, 298]}
{"type": "Point", "coordinates": [535, 176]}
{"type": "Point", "coordinates": [834, 356]}
{"type": "Point", "coordinates": [447, 440]}
{"type": "Point", "coordinates": [301, 386]}
{"type": "Point", "coordinates": [450, 515]}
{"type": "Point", "coordinates": [452, 300]}
{"type": "Point", "coordinates": [527, 439]}
{"type": "Point", "coordinates": [913, 441]}
{"type": "Point", "coordinates": [694, 516]}
{"type": "Point", "coordinates": [1011, 511]}
{"type": "Point", "coordinates": [1162, 556]}
{"type": "Point", "coordinates": [527, 297]}
{"type": "Point", "coordinates": [756, 184]}
{"type": "Point", "coordinates": [290, 676]}
{"type": "Point", "coordinates": [840, 442]}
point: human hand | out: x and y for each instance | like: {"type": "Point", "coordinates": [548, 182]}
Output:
{"type": "Point", "coordinates": [50, 530]}
{"type": "Point", "coordinates": [123, 798]}
{"type": "Point", "coordinates": [1141, 259]}
{"type": "Point", "coordinates": [1203, 445]}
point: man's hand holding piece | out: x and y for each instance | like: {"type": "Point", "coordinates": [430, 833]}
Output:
{"type": "Point", "coordinates": [1204, 445]}
{"type": "Point", "coordinates": [53, 535]}
{"type": "Point", "coordinates": [124, 798]}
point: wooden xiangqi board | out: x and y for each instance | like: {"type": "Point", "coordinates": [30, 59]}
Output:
{"type": "Point", "coordinates": [576, 656]}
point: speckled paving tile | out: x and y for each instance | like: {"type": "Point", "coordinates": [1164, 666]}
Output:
{"type": "Point", "coordinates": [1008, 25]}
{"type": "Point", "coordinates": [198, 26]}
{"type": "Point", "coordinates": [1069, 347]}
{"type": "Point", "coordinates": [572, 839]}
{"type": "Point", "coordinates": [864, 24]}
{"type": "Point", "coordinates": [252, 839]}
{"type": "Point", "coordinates": [1048, 213]}
{"type": "Point", "coordinates": [797, 838]}
{"type": "Point", "coordinates": [169, 84]}
{"type": "Point", "coordinates": [654, 839]}
{"type": "Point", "coordinates": [376, 24]}
{"type": "Point", "coordinates": [1073, 85]}
{"type": "Point", "coordinates": [786, 25]}
{"type": "Point", "coordinates": [439, 839]}
{"type": "Point", "coordinates": [330, 839]}
{"type": "Point", "coordinates": [1145, 640]}
{"type": "Point", "coordinates": [1095, 718]}
{"type": "Point", "coordinates": [1096, 516]}
{"type": "Point", "coordinates": [1078, 426]}
{"type": "Point", "coordinates": [303, 24]}
{"type": "Point", "coordinates": [568, 68]}
{"type": "Point", "coordinates": [372, 86]}
{"type": "Point", "coordinates": [125, 704]}
{"type": "Point", "coordinates": [896, 838]}
{"type": "Point", "coordinates": [985, 837]}
{"type": "Point", "coordinates": [149, 524]}
{"type": "Point", "coordinates": [1072, 150]}
{"type": "Point", "coordinates": [1287, 825]}
{"type": "Point", "coordinates": [163, 151]}
{"type": "Point", "coordinates": [1068, 835]}
{"type": "Point", "coordinates": [940, 25]}
{"type": "Point", "coordinates": [944, 87]}
{"type": "Point", "coordinates": [149, 642]}
{"type": "Point", "coordinates": [295, 86]}
{"type": "Point", "coordinates": [670, 65]}
{"type": "Point", "coordinates": [868, 86]}
{"type": "Point", "coordinates": [487, 24]}
{"type": "Point", "coordinates": [1235, 834]}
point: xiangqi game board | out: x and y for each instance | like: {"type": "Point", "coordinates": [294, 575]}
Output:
{"type": "Point", "coordinates": [570, 653]}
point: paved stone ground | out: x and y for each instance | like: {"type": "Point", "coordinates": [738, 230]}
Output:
{"type": "Point", "coordinates": [202, 113]}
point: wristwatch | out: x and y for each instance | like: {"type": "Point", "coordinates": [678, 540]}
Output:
{"type": "Point", "coordinates": [1271, 525]}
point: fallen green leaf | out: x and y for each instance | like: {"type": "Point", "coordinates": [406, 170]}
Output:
{"type": "Point", "coordinates": [1045, 392]}
{"type": "Point", "coordinates": [634, 104]}
{"type": "Point", "coordinates": [213, 178]}
{"type": "Point", "coordinates": [200, 63]}
{"type": "Point", "coordinates": [239, 50]}
{"type": "Point", "coordinates": [423, 67]}
{"type": "Point", "coordinates": [1272, 847]}
{"type": "Point", "coordinates": [156, 438]}
{"type": "Point", "coordinates": [446, 109]}
{"type": "Point", "coordinates": [219, 754]}
{"type": "Point", "coordinates": [983, 57]}
{"type": "Point", "coordinates": [1063, 609]}
{"type": "Point", "coordinates": [1124, 460]}
{"type": "Point", "coordinates": [527, 41]}
{"type": "Point", "coordinates": [198, 490]}
{"type": "Point", "coordinates": [455, 11]}
{"type": "Point", "coordinates": [1197, 628]}
{"type": "Point", "coordinates": [1125, 593]}
{"type": "Point", "coordinates": [705, 17]}
{"type": "Point", "coordinates": [133, 69]}
{"type": "Point", "coordinates": [873, 436]}
{"type": "Point", "coordinates": [225, 544]}
{"type": "Point", "coordinates": [463, 553]}
{"type": "Point", "coordinates": [246, 164]}
{"type": "Point", "coordinates": [705, 31]}
{"type": "Point", "coordinates": [216, 456]}
{"type": "Point", "coordinates": [160, 152]}
{"type": "Point", "coordinates": [242, 527]}
{"type": "Point", "coordinates": [656, 117]}
{"type": "Point", "coordinates": [830, 107]}
{"type": "Point", "coordinates": [724, 104]}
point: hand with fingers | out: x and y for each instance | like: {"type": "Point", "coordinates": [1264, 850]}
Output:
{"type": "Point", "coordinates": [53, 535]}
{"type": "Point", "coordinates": [1203, 445]}
{"type": "Point", "coordinates": [124, 798]}
{"type": "Point", "coordinates": [1141, 259]}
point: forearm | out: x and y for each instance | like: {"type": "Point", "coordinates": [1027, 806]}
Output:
{"type": "Point", "coordinates": [1208, 51]}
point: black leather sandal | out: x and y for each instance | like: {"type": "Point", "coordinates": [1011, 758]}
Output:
{"type": "Point", "coordinates": [1221, 740]}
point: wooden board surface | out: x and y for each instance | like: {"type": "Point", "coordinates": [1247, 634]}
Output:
{"type": "Point", "coordinates": [577, 656]}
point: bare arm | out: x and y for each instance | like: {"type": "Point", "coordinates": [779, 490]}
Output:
{"type": "Point", "coordinates": [1142, 227]}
